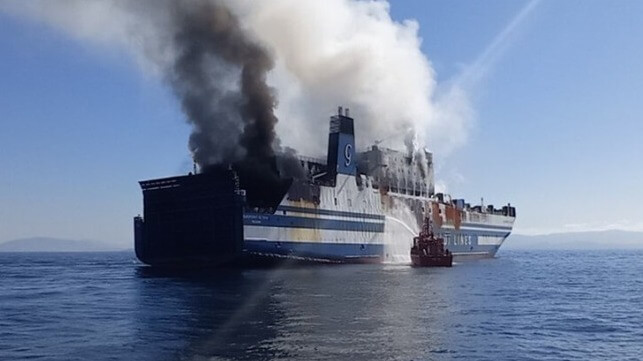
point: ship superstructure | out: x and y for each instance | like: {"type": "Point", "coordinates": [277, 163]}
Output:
{"type": "Point", "coordinates": [351, 207]}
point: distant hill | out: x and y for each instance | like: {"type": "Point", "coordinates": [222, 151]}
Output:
{"type": "Point", "coordinates": [47, 244]}
{"type": "Point", "coordinates": [577, 240]}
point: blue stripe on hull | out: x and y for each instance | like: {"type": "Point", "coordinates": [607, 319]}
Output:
{"type": "Point", "coordinates": [342, 252]}
{"type": "Point", "coordinates": [273, 220]}
{"type": "Point", "coordinates": [469, 232]}
{"type": "Point", "coordinates": [345, 252]}
{"type": "Point", "coordinates": [473, 251]}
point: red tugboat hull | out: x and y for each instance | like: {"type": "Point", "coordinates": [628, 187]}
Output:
{"type": "Point", "coordinates": [431, 261]}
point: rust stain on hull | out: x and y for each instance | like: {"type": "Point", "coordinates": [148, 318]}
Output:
{"type": "Point", "coordinates": [453, 216]}
{"type": "Point", "coordinates": [437, 217]}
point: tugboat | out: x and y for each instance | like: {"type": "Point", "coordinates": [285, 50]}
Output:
{"type": "Point", "coordinates": [428, 250]}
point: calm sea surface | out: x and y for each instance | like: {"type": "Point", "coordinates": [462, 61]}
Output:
{"type": "Point", "coordinates": [522, 305]}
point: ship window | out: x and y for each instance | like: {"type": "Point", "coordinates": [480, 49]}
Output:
{"type": "Point", "coordinates": [335, 201]}
{"type": "Point", "coordinates": [349, 203]}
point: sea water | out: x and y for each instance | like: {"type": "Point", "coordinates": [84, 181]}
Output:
{"type": "Point", "coordinates": [521, 305]}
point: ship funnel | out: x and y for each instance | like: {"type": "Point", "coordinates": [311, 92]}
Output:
{"type": "Point", "coordinates": [341, 145]}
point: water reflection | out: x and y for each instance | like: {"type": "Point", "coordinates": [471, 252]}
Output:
{"type": "Point", "coordinates": [198, 314]}
{"type": "Point", "coordinates": [355, 312]}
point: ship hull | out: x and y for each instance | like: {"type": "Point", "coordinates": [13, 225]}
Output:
{"type": "Point", "coordinates": [214, 229]}
{"type": "Point", "coordinates": [318, 251]}
{"type": "Point", "coordinates": [314, 251]}
{"type": "Point", "coordinates": [309, 233]}
{"type": "Point", "coordinates": [466, 243]}
{"type": "Point", "coordinates": [320, 236]}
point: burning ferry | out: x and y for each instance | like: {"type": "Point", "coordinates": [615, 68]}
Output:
{"type": "Point", "coordinates": [351, 207]}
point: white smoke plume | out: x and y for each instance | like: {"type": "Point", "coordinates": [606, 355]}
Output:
{"type": "Point", "coordinates": [352, 53]}
{"type": "Point", "coordinates": [325, 53]}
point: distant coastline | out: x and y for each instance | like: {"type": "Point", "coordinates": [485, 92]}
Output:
{"type": "Point", "coordinates": [50, 244]}
{"type": "Point", "coordinates": [612, 239]}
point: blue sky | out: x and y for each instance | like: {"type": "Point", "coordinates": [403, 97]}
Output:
{"type": "Point", "coordinates": [557, 128]}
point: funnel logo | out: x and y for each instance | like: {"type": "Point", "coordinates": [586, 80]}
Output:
{"type": "Point", "coordinates": [345, 156]}
{"type": "Point", "coordinates": [348, 154]}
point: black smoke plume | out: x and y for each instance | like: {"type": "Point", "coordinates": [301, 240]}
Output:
{"type": "Point", "coordinates": [219, 74]}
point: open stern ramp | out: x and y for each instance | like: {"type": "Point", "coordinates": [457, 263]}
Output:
{"type": "Point", "coordinates": [190, 220]}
